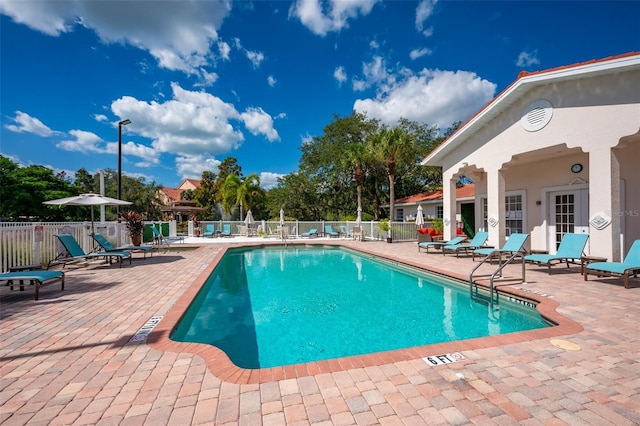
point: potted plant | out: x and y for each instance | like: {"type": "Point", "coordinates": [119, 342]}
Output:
{"type": "Point", "coordinates": [135, 226]}
{"type": "Point", "coordinates": [384, 227]}
{"type": "Point", "coordinates": [438, 225]}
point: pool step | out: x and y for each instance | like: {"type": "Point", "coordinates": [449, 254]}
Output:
{"type": "Point", "coordinates": [482, 298]}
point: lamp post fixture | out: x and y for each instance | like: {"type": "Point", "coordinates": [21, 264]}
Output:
{"type": "Point", "coordinates": [120, 124]}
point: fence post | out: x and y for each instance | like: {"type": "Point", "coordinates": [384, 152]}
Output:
{"type": "Point", "coordinates": [37, 236]}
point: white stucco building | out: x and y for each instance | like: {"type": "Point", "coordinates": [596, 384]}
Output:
{"type": "Point", "coordinates": [557, 151]}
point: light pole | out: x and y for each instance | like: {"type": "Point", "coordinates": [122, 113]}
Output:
{"type": "Point", "coordinates": [120, 124]}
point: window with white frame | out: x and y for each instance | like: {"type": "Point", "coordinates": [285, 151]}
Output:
{"type": "Point", "coordinates": [399, 215]}
{"type": "Point", "coordinates": [440, 212]}
{"type": "Point", "coordinates": [513, 211]}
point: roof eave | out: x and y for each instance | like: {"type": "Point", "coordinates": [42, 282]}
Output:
{"type": "Point", "coordinates": [519, 88]}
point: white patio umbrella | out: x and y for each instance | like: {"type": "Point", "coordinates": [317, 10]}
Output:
{"type": "Point", "coordinates": [281, 217]}
{"type": "Point", "coordinates": [419, 217]}
{"type": "Point", "coordinates": [90, 199]}
{"type": "Point", "coordinates": [359, 218]}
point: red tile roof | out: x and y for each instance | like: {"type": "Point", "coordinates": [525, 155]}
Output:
{"type": "Point", "coordinates": [172, 193]}
{"type": "Point", "coordinates": [194, 182]}
{"type": "Point", "coordinates": [466, 191]}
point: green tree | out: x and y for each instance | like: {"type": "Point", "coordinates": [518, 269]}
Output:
{"type": "Point", "coordinates": [24, 189]}
{"type": "Point", "coordinates": [297, 193]}
{"type": "Point", "coordinates": [337, 163]}
{"type": "Point", "coordinates": [228, 166]}
{"type": "Point", "coordinates": [205, 195]}
{"type": "Point", "coordinates": [84, 182]}
{"type": "Point", "coordinates": [391, 146]}
{"type": "Point", "coordinates": [143, 195]}
{"type": "Point", "coordinates": [186, 194]}
{"type": "Point", "coordinates": [240, 192]}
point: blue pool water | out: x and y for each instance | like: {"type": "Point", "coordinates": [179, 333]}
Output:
{"type": "Point", "coordinates": [268, 307]}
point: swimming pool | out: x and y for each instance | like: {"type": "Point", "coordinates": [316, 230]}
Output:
{"type": "Point", "coordinates": [275, 306]}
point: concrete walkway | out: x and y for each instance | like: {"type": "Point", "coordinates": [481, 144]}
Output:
{"type": "Point", "coordinates": [68, 358]}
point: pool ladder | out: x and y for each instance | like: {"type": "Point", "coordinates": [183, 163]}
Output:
{"type": "Point", "coordinates": [493, 294]}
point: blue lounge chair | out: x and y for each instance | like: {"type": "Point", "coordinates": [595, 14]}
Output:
{"type": "Point", "coordinates": [75, 253]}
{"type": "Point", "coordinates": [630, 266]}
{"type": "Point", "coordinates": [439, 244]}
{"type": "Point", "coordinates": [313, 232]}
{"type": "Point", "coordinates": [209, 230]}
{"type": "Point", "coordinates": [570, 249]}
{"type": "Point", "coordinates": [107, 246]}
{"type": "Point", "coordinates": [226, 230]}
{"type": "Point", "coordinates": [476, 242]}
{"type": "Point", "coordinates": [344, 232]}
{"type": "Point", "coordinates": [162, 240]}
{"type": "Point", "coordinates": [514, 244]}
{"type": "Point", "coordinates": [39, 278]}
{"type": "Point", "coordinates": [328, 230]}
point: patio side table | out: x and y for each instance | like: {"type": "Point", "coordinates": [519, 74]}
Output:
{"type": "Point", "coordinates": [585, 260]}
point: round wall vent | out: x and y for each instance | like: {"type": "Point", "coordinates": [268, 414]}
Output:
{"type": "Point", "coordinates": [537, 115]}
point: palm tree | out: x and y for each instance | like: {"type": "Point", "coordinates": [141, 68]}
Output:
{"type": "Point", "coordinates": [352, 133]}
{"type": "Point", "coordinates": [391, 146]}
{"type": "Point", "coordinates": [240, 192]}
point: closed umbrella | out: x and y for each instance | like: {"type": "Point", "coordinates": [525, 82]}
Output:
{"type": "Point", "coordinates": [419, 217]}
{"type": "Point", "coordinates": [248, 220]}
{"type": "Point", "coordinates": [90, 199]}
{"type": "Point", "coordinates": [359, 218]}
{"type": "Point", "coordinates": [282, 233]}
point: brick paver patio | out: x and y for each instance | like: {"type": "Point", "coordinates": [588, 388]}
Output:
{"type": "Point", "coordinates": [67, 359]}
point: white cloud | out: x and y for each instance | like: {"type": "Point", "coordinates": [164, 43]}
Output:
{"type": "Point", "coordinates": [88, 142]}
{"type": "Point", "coordinates": [423, 12]}
{"type": "Point", "coordinates": [433, 97]}
{"type": "Point", "coordinates": [259, 122]}
{"type": "Point", "coordinates": [207, 79]}
{"type": "Point", "coordinates": [83, 142]}
{"type": "Point", "coordinates": [192, 166]}
{"type": "Point", "coordinates": [178, 34]}
{"type": "Point", "coordinates": [373, 72]}
{"type": "Point", "coordinates": [340, 75]}
{"type": "Point", "coordinates": [527, 59]}
{"type": "Point", "coordinates": [24, 123]}
{"type": "Point", "coordinates": [271, 81]}
{"type": "Point", "coordinates": [192, 123]}
{"type": "Point", "coordinates": [306, 139]}
{"type": "Point", "coordinates": [224, 50]}
{"type": "Point", "coordinates": [269, 180]}
{"type": "Point", "coordinates": [322, 17]}
{"type": "Point", "coordinates": [100, 117]}
{"type": "Point", "coordinates": [256, 58]}
{"type": "Point", "coordinates": [418, 53]}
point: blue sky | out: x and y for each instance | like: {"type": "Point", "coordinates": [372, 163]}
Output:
{"type": "Point", "coordinates": [204, 80]}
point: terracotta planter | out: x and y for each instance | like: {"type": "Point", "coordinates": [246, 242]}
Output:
{"type": "Point", "coordinates": [136, 240]}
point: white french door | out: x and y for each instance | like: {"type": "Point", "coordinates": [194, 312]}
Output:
{"type": "Point", "coordinates": [568, 214]}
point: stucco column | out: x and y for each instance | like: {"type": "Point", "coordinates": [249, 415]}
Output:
{"type": "Point", "coordinates": [449, 207]}
{"type": "Point", "coordinates": [495, 207]}
{"type": "Point", "coordinates": [604, 197]}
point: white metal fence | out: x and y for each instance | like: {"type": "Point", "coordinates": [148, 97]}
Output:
{"type": "Point", "coordinates": [33, 243]}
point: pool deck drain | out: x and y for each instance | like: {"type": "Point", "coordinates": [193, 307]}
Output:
{"type": "Point", "coordinates": [142, 334]}
{"type": "Point", "coordinates": [65, 359]}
